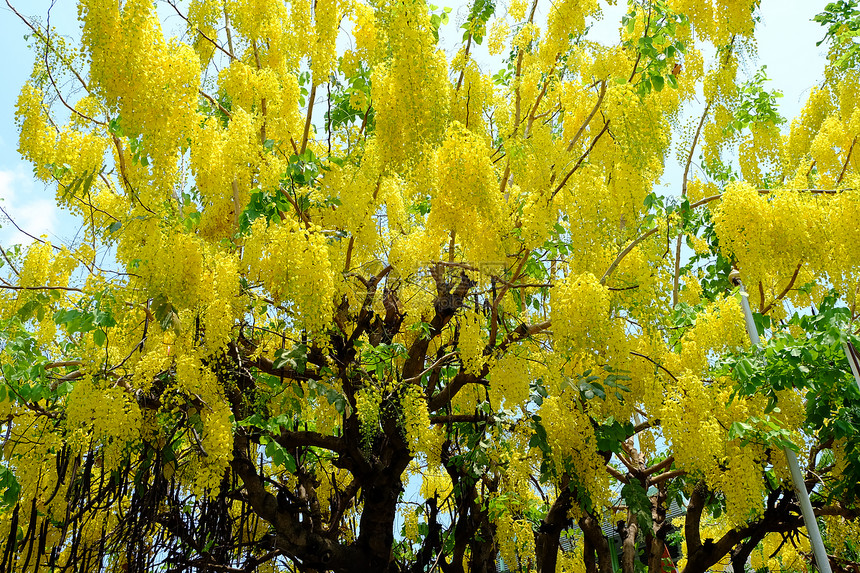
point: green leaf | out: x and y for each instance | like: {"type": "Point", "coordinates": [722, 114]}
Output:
{"type": "Point", "coordinates": [165, 314]}
{"type": "Point", "coordinates": [280, 456]}
{"type": "Point", "coordinates": [296, 358]}
{"type": "Point", "coordinates": [638, 502]}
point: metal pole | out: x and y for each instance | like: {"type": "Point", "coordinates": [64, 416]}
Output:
{"type": "Point", "coordinates": [852, 361]}
{"type": "Point", "coordinates": [796, 477]}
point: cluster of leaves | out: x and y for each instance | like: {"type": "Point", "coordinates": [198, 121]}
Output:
{"type": "Point", "coordinates": [757, 105]}
{"type": "Point", "coordinates": [341, 112]}
{"type": "Point", "coordinates": [815, 364]}
{"type": "Point", "coordinates": [842, 20]}
{"type": "Point", "coordinates": [657, 48]}
{"type": "Point", "coordinates": [438, 18]}
{"type": "Point", "coordinates": [476, 23]}
{"type": "Point", "coordinates": [295, 193]}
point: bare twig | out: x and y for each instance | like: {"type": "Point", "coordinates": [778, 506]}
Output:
{"type": "Point", "coordinates": [677, 275]}
{"type": "Point", "coordinates": [625, 252]}
{"type": "Point", "coordinates": [311, 97]}
{"type": "Point", "coordinates": [581, 158]}
{"type": "Point", "coordinates": [784, 291]}
{"type": "Point", "coordinates": [847, 159]}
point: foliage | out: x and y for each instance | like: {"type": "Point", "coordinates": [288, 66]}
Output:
{"type": "Point", "coordinates": [378, 309]}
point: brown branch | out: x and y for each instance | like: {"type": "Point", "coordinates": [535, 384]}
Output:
{"type": "Point", "coordinates": [9, 262]}
{"type": "Point", "coordinates": [349, 254]}
{"type": "Point", "coordinates": [627, 463]}
{"type": "Point", "coordinates": [435, 365]}
{"type": "Point", "coordinates": [784, 291]}
{"type": "Point", "coordinates": [659, 466]}
{"type": "Point", "coordinates": [465, 61]}
{"type": "Point", "coordinates": [71, 289]}
{"type": "Point", "coordinates": [311, 97]}
{"type": "Point", "coordinates": [460, 418]}
{"type": "Point", "coordinates": [300, 439]}
{"type": "Point", "coordinates": [45, 38]}
{"type": "Point", "coordinates": [588, 119]}
{"type": "Point", "coordinates": [214, 102]}
{"type": "Point", "coordinates": [639, 53]}
{"type": "Point", "coordinates": [657, 364]}
{"type": "Point", "coordinates": [706, 200]}
{"type": "Point", "coordinates": [293, 537]}
{"type": "Point", "coordinates": [616, 474]}
{"type": "Point", "coordinates": [542, 93]}
{"type": "Point", "coordinates": [463, 378]}
{"type": "Point", "coordinates": [518, 77]}
{"type": "Point", "coordinates": [847, 159]}
{"type": "Point", "coordinates": [676, 277]}
{"type": "Point", "coordinates": [494, 318]}
{"type": "Point", "coordinates": [808, 190]}
{"type": "Point", "coordinates": [207, 38]}
{"type": "Point", "coordinates": [625, 252]}
{"type": "Point", "coordinates": [23, 232]}
{"type": "Point", "coordinates": [64, 364]}
{"type": "Point", "coordinates": [666, 476]}
{"type": "Point", "coordinates": [581, 159]}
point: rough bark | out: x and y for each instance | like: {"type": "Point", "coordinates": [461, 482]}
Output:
{"type": "Point", "coordinates": [596, 542]}
{"type": "Point", "coordinates": [549, 533]}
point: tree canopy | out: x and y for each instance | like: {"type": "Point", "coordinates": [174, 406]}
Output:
{"type": "Point", "coordinates": [342, 303]}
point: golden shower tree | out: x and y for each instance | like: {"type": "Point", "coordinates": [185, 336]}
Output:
{"type": "Point", "coordinates": [343, 303]}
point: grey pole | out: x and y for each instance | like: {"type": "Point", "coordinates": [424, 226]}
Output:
{"type": "Point", "coordinates": [796, 477]}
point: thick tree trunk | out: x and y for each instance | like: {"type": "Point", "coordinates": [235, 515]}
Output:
{"type": "Point", "coordinates": [656, 541]}
{"type": "Point", "coordinates": [547, 537]}
{"type": "Point", "coordinates": [628, 544]}
{"type": "Point", "coordinates": [597, 543]}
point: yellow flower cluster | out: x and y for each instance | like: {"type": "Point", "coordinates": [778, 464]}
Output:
{"type": "Point", "coordinates": [108, 415]}
{"type": "Point", "coordinates": [761, 153]}
{"type": "Point", "coordinates": [840, 533]}
{"type": "Point", "coordinates": [774, 554]}
{"type": "Point", "coordinates": [368, 401]}
{"type": "Point", "coordinates": [410, 91]}
{"type": "Point", "coordinates": [580, 313]}
{"type": "Point", "coordinates": [203, 16]}
{"type": "Point", "coordinates": [292, 263]}
{"type": "Point", "coordinates": [215, 450]}
{"type": "Point", "coordinates": [690, 427]}
{"type": "Point", "coordinates": [741, 483]}
{"type": "Point", "coordinates": [365, 31]}
{"type": "Point", "coordinates": [436, 483]}
{"type": "Point", "coordinates": [719, 327]}
{"type": "Point", "coordinates": [465, 198]}
{"type": "Point", "coordinates": [327, 16]}
{"type": "Point", "coordinates": [471, 342]}
{"type": "Point", "coordinates": [509, 381]}
{"type": "Point", "coordinates": [415, 419]}
{"type": "Point", "coordinates": [777, 235]}
{"type": "Point", "coordinates": [573, 442]}
{"type": "Point", "coordinates": [804, 127]}
{"type": "Point", "coordinates": [220, 162]}
{"type": "Point", "coordinates": [516, 542]}
{"type": "Point", "coordinates": [171, 262]}
{"type": "Point", "coordinates": [471, 100]}
{"type": "Point", "coordinates": [718, 21]}
{"type": "Point", "coordinates": [498, 36]}
{"type": "Point", "coordinates": [157, 74]}
{"type": "Point", "coordinates": [37, 139]}
{"type": "Point", "coordinates": [566, 20]}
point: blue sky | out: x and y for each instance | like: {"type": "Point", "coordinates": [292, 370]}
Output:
{"type": "Point", "coordinates": [786, 42]}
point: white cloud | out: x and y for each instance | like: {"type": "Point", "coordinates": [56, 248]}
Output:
{"type": "Point", "coordinates": [27, 204]}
